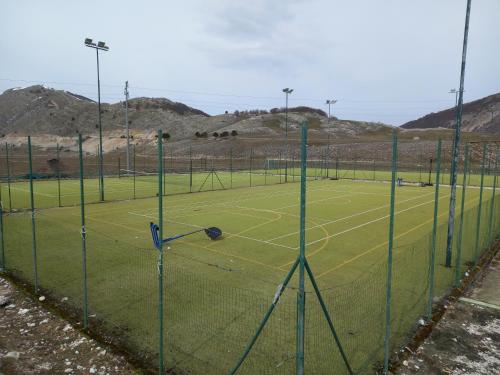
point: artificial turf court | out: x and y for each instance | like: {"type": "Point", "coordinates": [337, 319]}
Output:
{"type": "Point", "coordinates": [217, 291]}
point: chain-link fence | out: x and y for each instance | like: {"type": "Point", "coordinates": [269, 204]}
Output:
{"type": "Point", "coordinates": [194, 309]}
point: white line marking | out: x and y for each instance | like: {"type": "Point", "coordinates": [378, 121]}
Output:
{"type": "Point", "coordinates": [348, 217]}
{"type": "Point", "coordinates": [369, 222]}
{"type": "Point", "coordinates": [232, 234]}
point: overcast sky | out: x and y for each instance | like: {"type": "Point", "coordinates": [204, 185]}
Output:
{"type": "Point", "coordinates": [390, 61]}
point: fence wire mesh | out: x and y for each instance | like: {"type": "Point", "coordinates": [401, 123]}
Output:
{"type": "Point", "coordinates": [213, 306]}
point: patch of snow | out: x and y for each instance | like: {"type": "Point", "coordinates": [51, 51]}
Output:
{"type": "Point", "coordinates": [67, 327]}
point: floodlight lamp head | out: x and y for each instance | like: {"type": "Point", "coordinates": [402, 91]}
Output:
{"type": "Point", "coordinates": [102, 45]}
{"type": "Point", "coordinates": [88, 41]}
{"type": "Point", "coordinates": [287, 90]}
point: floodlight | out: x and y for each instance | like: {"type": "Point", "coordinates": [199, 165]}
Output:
{"type": "Point", "coordinates": [88, 41]}
{"type": "Point", "coordinates": [101, 44]}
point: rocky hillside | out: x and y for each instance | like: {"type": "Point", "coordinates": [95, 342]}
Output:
{"type": "Point", "coordinates": [481, 115]}
{"type": "Point", "coordinates": [38, 110]}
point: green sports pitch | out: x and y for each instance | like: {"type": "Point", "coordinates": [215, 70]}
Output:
{"type": "Point", "coordinates": [216, 292]}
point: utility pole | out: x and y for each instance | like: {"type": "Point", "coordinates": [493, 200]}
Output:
{"type": "Point", "coordinates": [456, 144]}
{"type": "Point", "coordinates": [329, 102]}
{"type": "Point", "coordinates": [126, 126]}
{"type": "Point", "coordinates": [103, 47]}
{"type": "Point", "coordinates": [287, 91]}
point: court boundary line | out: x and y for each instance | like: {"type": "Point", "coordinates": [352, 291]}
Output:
{"type": "Point", "coordinates": [382, 244]}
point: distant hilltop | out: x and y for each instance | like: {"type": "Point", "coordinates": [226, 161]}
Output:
{"type": "Point", "coordinates": [40, 110]}
{"type": "Point", "coordinates": [481, 115]}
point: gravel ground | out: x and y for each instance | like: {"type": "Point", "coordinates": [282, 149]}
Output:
{"type": "Point", "coordinates": [34, 340]}
{"type": "Point", "coordinates": [467, 338]}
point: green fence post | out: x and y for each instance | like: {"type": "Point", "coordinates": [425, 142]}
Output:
{"type": "Point", "coordinates": [33, 228]}
{"type": "Point", "coordinates": [165, 166]}
{"type": "Point", "coordinates": [58, 174]}
{"type": "Point", "coordinates": [337, 166]}
{"type": "Point", "coordinates": [84, 236]}
{"type": "Point", "coordinates": [2, 241]}
{"type": "Point", "coordinates": [301, 295]}
{"type": "Point", "coordinates": [191, 170]}
{"type": "Point", "coordinates": [266, 165]}
{"type": "Point", "coordinates": [293, 164]}
{"type": "Point", "coordinates": [389, 254]}
{"type": "Point", "coordinates": [432, 259]}
{"type": "Point", "coordinates": [160, 254]}
{"type": "Point", "coordinates": [119, 167]}
{"type": "Point", "coordinates": [251, 157]}
{"type": "Point", "coordinates": [492, 202]}
{"type": "Point", "coordinates": [133, 176]}
{"type": "Point", "coordinates": [8, 174]}
{"type": "Point", "coordinates": [458, 260]}
{"type": "Point", "coordinates": [478, 223]}
{"type": "Point", "coordinates": [279, 165]}
{"type": "Point", "coordinates": [231, 168]}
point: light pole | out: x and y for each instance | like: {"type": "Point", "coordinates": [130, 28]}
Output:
{"type": "Point", "coordinates": [454, 91]}
{"type": "Point", "coordinates": [126, 126]}
{"type": "Point", "coordinates": [103, 47]}
{"type": "Point", "coordinates": [329, 102]}
{"type": "Point", "coordinates": [287, 91]}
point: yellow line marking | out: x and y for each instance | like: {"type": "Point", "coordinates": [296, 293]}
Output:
{"type": "Point", "coordinates": [379, 245]}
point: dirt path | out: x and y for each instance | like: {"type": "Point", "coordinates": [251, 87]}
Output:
{"type": "Point", "coordinates": [467, 338]}
{"type": "Point", "coordinates": [36, 341]}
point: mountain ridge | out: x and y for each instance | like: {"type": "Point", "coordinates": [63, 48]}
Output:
{"type": "Point", "coordinates": [482, 115]}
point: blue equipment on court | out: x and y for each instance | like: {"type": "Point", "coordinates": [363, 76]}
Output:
{"type": "Point", "coordinates": [213, 233]}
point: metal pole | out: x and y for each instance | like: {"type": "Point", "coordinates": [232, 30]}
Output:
{"type": "Point", "coordinates": [458, 260]}
{"type": "Point", "coordinates": [33, 229]}
{"type": "Point", "coordinates": [492, 203]}
{"type": "Point", "coordinates": [432, 259]}
{"type": "Point", "coordinates": [58, 175]}
{"type": "Point", "coordinates": [231, 166]}
{"type": "Point", "coordinates": [327, 317]}
{"type": "Point", "coordinates": [101, 167]}
{"type": "Point", "coordinates": [262, 324]}
{"type": "Point", "coordinates": [2, 241]}
{"type": "Point", "coordinates": [251, 156]}
{"type": "Point", "coordinates": [165, 166]}
{"type": "Point", "coordinates": [451, 217]}
{"type": "Point", "coordinates": [84, 236]}
{"type": "Point", "coordinates": [133, 149]}
{"type": "Point", "coordinates": [191, 170]}
{"type": "Point", "coordinates": [389, 254]}
{"type": "Point", "coordinates": [478, 223]}
{"type": "Point", "coordinates": [127, 126]}
{"type": "Point", "coordinates": [119, 167]}
{"type": "Point", "coordinates": [8, 175]}
{"type": "Point", "coordinates": [301, 295]}
{"type": "Point", "coordinates": [160, 255]}
{"type": "Point", "coordinates": [286, 138]}
{"type": "Point", "coordinates": [430, 171]}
